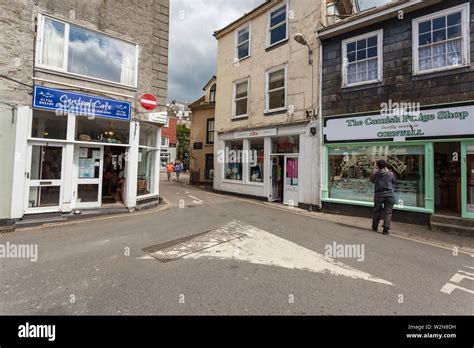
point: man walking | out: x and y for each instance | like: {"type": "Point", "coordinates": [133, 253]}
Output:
{"type": "Point", "coordinates": [384, 198]}
{"type": "Point", "coordinates": [178, 168]}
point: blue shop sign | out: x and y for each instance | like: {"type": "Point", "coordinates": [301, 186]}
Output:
{"type": "Point", "coordinates": [64, 102]}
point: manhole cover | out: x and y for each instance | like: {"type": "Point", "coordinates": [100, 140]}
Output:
{"type": "Point", "coordinates": [179, 248]}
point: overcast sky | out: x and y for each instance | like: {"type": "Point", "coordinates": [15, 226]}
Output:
{"type": "Point", "coordinates": [193, 49]}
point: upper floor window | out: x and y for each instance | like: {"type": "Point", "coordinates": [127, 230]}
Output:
{"type": "Point", "coordinates": [276, 89]}
{"type": "Point", "coordinates": [210, 131]}
{"type": "Point", "coordinates": [362, 61]}
{"type": "Point", "coordinates": [243, 43]}
{"type": "Point", "coordinates": [241, 98]}
{"type": "Point", "coordinates": [212, 94]}
{"type": "Point", "coordinates": [278, 26]}
{"type": "Point", "coordinates": [76, 50]}
{"type": "Point", "coordinates": [441, 40]}
{"type": "Point", "coordinates": [165, 142]}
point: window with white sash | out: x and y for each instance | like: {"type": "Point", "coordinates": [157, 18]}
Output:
{"type": "Point", "coordinates": [276, 86]}
{"type": "Point", "coordinates": [243, 43]}
{"type": "Point", "coordinates": [362, 59]}
{"type": "Point", "coordinates": [76, 50]}
{"type": "Point", "coordinates": [277, 26]}
{"type": "Point", "coordinates": [441, 40]}
{"type": "Point", "coordinates": [241, 98]}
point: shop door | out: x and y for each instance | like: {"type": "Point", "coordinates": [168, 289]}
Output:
{"type": "Point", "coordinates": [469, 208]}
{"type": "Point", "coordinates": [89, 172]}
{"type": "Point", "coordinates": [209, 167]}
{"type": "Point", "coordinates": [276, 179]}
{"type": "Point", "coordinates": [44, 178]}
{"type": "Point", "coordinates": [291, 181]}
{"type": "Point", "coordinates": [448, 178]}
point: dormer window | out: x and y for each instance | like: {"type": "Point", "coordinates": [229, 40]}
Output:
{"type": "Point", "coordinates": [212, 94]}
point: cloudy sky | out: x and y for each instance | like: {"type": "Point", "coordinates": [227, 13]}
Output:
{"type": "Point", "coordinates": [193, 49]}
{"type": "Point", "coordinates": [192, 62]}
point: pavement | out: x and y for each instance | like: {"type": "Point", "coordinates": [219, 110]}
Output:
{"type": "Point", "coordinates": [228, 255]}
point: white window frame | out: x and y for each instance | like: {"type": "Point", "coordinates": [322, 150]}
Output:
{"type": "Point", "coordinates": [269, 28]}
{"type": "Point", "coordinates": [267, 90]}
{"type": "Point", "coordinates": [466, 38]}
{"type": "Point", "coordinates": [167, 141]}
{"type": "Point", "coordinates": [234, 99]}
{"type": "Point", "coordinates": [63, 70]}
{"type": "Point", "coordinates": [237, 31]}
{"type": "Point", "coordinates": [345, 63]}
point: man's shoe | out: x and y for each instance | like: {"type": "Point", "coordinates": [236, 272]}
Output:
{"type": "Point", "coordinates": [386, 232]}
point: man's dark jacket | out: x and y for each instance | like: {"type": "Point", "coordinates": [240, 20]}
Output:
{"type": "Point", "coordinates": [384, 181]}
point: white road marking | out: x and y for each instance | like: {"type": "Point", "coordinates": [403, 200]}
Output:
{"type": "Point", "coordinates": [196, 200]}
{"type": "Point", "coordinates": [263, 248]}
{"type": "Point", "coordinates": [448, 288]}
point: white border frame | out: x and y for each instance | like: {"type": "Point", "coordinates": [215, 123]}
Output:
{"type": "Point", "coordinates": [267, 91]}
{"type": "Point", "coordinates": [63, 70]}
{"type": "Point", "coordinates": [236, 43]}
{"type": "Point", "coordinates": [234, 90]}
{"type": "Point", "coordinates": [287, 20]}
{"type": "Point", "coordinates": [344, 64]}
{"type": "Point", "coordinates": [466, 38]}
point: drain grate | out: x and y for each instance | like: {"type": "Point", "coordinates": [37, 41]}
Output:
{"type": "Point", "coordinates": [7, 229]}
{"type": "Point", "coordinates": [179, 248]}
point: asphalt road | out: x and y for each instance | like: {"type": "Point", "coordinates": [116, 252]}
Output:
{"type": "Point", "coordinates": [99, 267]}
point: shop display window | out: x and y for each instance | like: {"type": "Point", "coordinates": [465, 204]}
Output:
{"type": "Point", "coordinates": [233, 160]}
{"type": "Point", "coordinates": [101, 130]}
{"type": "Point", "coordinates": [257, 160]}
{"type": "Point", "coordinates": [47, 125]}
{"type": "Point", "coordinates": [289, 144]}
{"type": "Point", "coordinates": [146, 172]}
{"type": "Point", "coordinates": [350, 169]}
{"type": "Point", "coordinates": [148, 135]}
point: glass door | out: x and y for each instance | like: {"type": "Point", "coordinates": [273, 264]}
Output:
{"type": "Point", "coordinates": [89, 164]}
{"type": "Point", "coordinates": [468, 169]}
{"type": "Point", "coordinates": [276, 179]}
{"type": "Point", "coordinates": [44, 178]}
{"type": "Point", "coordinates": [291, 181]}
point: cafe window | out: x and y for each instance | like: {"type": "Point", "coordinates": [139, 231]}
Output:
{"type": "Point", "coordinates": [102, 130]}
{"type": "Point", "coordinates": [47, 125]}
{"type": "Point", "coordinates": [363, 59]}
{"type": "Point", "coordinates": [233, 160]}
{"type": "Point", "coordinates": [441, 40]}
{"type": "Point", "coordinates": [76, 50]}
{"type": "Point", "coordinates": [256, 160]}
{"type": "Point", "coordinates": [289, 144]}
{"type": "Point", "coordinates": [146, 171]}
{"type": "Point", "coordinates": [350, 169]}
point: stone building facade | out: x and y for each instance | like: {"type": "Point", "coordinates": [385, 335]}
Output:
{"type": "Point", "coordinates": [43, 44]}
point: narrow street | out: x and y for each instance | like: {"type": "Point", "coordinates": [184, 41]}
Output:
{"type": "Point", "coordinates": [272, 262]}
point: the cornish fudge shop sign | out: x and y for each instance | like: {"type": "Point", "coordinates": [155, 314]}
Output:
{"type": "Point", "coordinates": [398, 126]}
{"type": "Point", "coordinates": [65, 102]}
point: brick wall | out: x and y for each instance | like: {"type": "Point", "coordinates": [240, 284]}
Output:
{"type": "Point", "coordinates": [398, 82]}
{"type": "Point", "coordinates": [170, 132]}
{"type": "Point", "coordinates": [144, 22]}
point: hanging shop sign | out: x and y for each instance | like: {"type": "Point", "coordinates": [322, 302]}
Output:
{"type": "Point", "coordinates": [65, 102]}
{"type": "Point", "coordinates": [399, 126]}
{"type": "Point", "coordinates": [156, 117]}
{"type": "Point", "coordinates": [256, 133]}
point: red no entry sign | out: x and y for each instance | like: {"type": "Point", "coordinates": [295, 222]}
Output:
{"type": "Point", "coordinates": [148, 102]}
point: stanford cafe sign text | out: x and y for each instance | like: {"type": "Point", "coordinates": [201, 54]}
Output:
{"type": "Point", "coordinates": [399, 126]}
